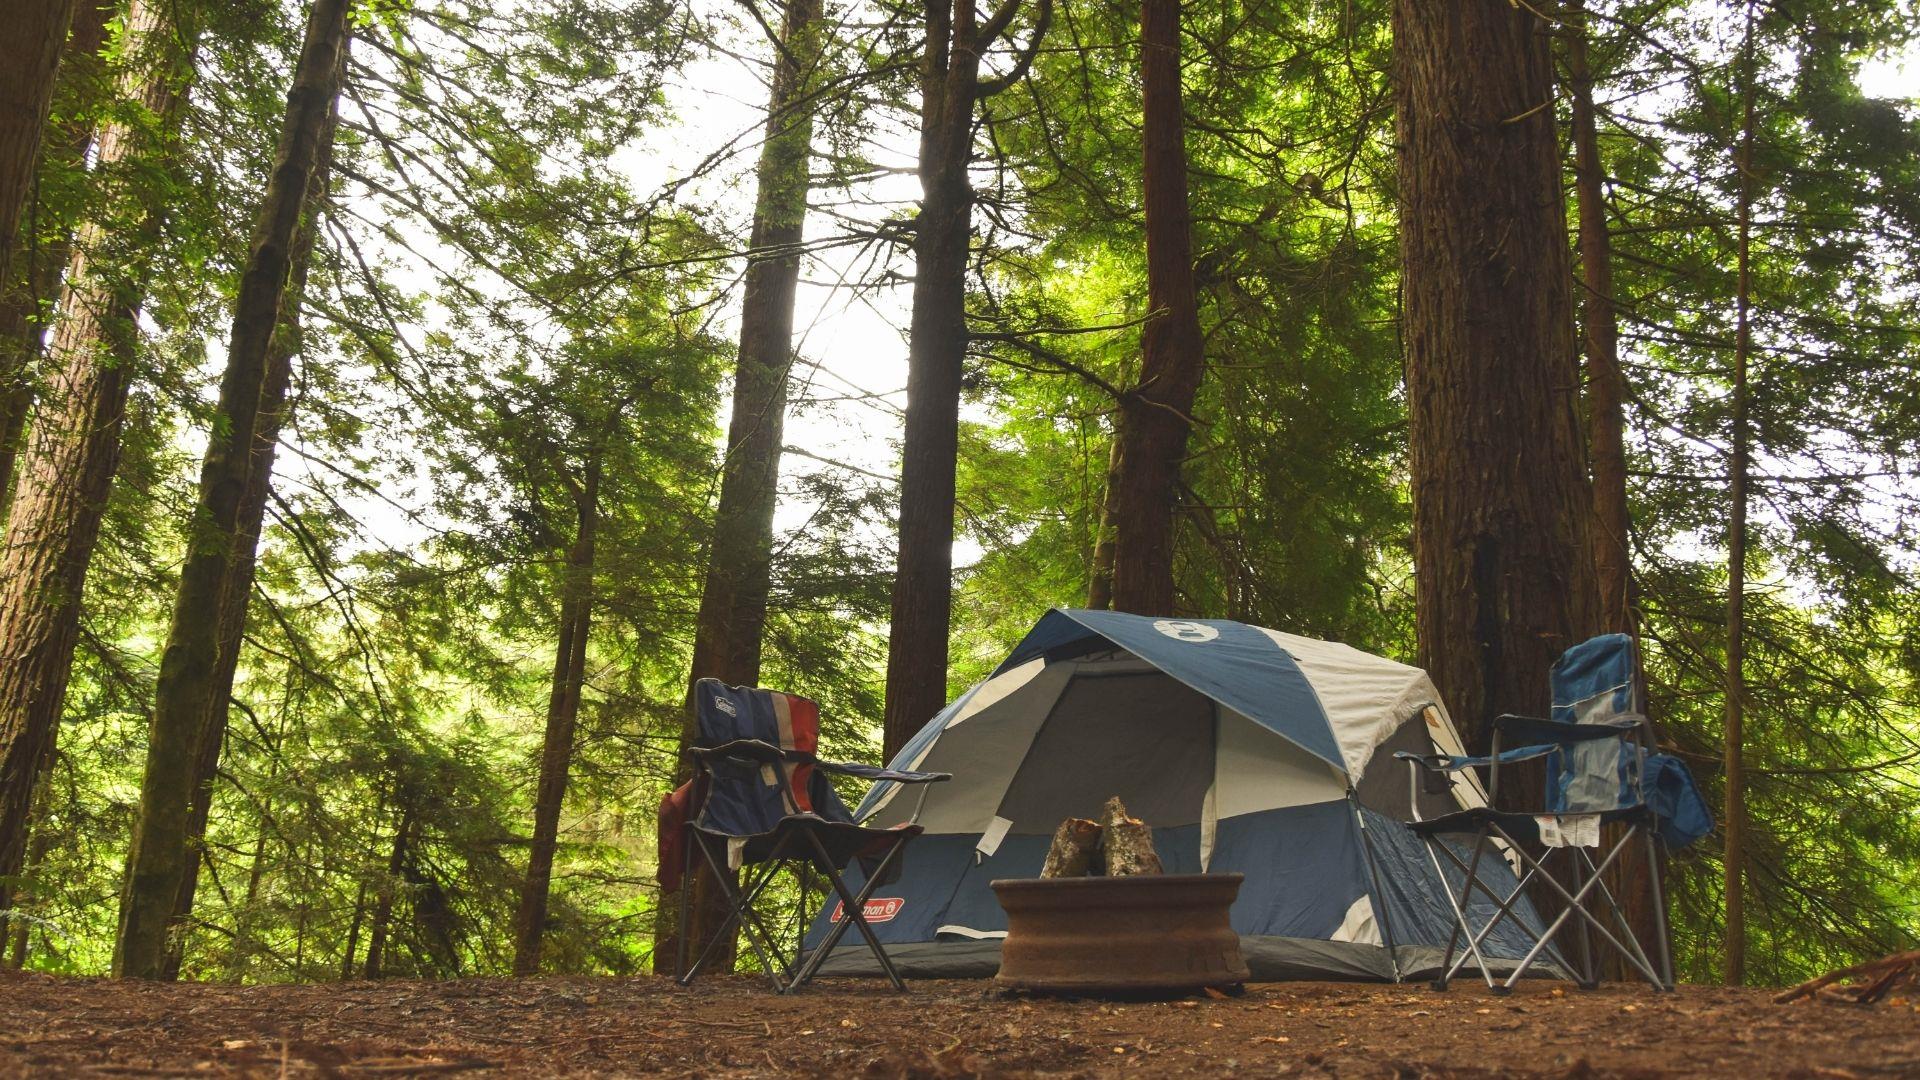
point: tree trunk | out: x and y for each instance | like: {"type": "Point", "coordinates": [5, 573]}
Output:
{"type": "Point", "coordinates": [1100, 576]}
{"type": "Point", "coordinates": [67, 468]}
{"type": "Point", "coordinates": [237, 589]}
{"type": "Point", "coordinates": [20, 930]}
{"type": "Point", "coordinates": [937, 329]}
{"type": "Point", "coordinates": [1502, 510]}
{"type": "Point", "coordinates": [382, 921]}
{"type": "Point", "coordinates": [1155, 416]}
{"type": "Point", "coordinates": [563, 713]}
{"type": "Point", "coordinates": [1606, 440]}
{"type": "Point", "coordinates": [733, 603]}
{"type": "Point", "coordinates": [158, 858]}
{"type": "Point", "coordinates": [29, 62]}
{"type": "Point", "coordinates": [1734, 856]}
{"type": "Point", "coordinates": [1606, 385]}
{"type": "Point", "coordinates": [26, 300]}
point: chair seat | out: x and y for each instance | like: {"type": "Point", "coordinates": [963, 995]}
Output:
{"type": "Point", "coordinates": [1520, 826]}
{"type": "Point", "coordinates": [844, 841]}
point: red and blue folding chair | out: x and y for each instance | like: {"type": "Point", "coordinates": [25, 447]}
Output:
{"type": "Point", "coordinates": [760, 800]}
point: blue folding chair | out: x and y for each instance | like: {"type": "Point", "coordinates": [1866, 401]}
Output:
{"type": "Point", "coordinates": [1598, 753]}
{"type": "Point", "coordinates": [760, 798]}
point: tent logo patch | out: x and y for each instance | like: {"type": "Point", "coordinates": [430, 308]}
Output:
{"type": "Point", "coordinates": [1184, 630]}
{"type": "Point", "coordinates": [879, 909]}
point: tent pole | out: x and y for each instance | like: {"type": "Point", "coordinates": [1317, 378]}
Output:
{"type": "Point", "coordinates": [1373, 880]}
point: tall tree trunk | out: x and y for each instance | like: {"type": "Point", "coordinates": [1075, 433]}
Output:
{"type": "Point", "coordinates": [1100, 576]}
{"type": "Point", "coordinates": [236, 590]}
{"type": "Point", "coordinates": [733, 602]}
{"type": "Point", "coordinates": [563, 713]}
{"type": "Point", "coordinates": [183, 699]}
{"type": "Point", "coordinates": [28, 292]}
{"type": "Point", "coordinates": [950, 88]}
{"type": "Point", "coordinates": [1606, 385]}
{"type": "Point", "coordinates": [937, 345]}
{"type": "Point", "coordinates": [382, 921]}
{"type": "Point", "coordinates": [29, 63]}
{"type": "Point", "coordinates": [21, 930]}
{"type": "Point", "coordinates": [67, 468]}
{"type": "Point", "coordinates": [1155, 416]}
{"type": "Point", "coordinates": [1734, 858]}
{"type": "Point", "coordinates": [1502, 510]}
{"type": "Point", "coordinates": [1606, 438]}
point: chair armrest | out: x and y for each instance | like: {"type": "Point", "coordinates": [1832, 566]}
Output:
{"type": "Point", "coordinates": [1535, 731]}
{"type": "Point", "coordinates": [876, 772]}
{"type": "Point", "coordinates": [1440, 763]}
{"type": "Point", "coordinates": [749, 750]}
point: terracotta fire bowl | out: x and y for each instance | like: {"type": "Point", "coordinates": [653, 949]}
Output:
{"type": "Point", "coordinates": [1128, 934]}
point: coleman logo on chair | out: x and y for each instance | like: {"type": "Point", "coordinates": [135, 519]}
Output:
{"type": "Point", "coordinates": [879, 909]}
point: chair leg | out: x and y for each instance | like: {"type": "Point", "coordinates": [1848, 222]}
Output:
{"type": "Point", "coordinates": [1661, 946]}
{"type": "Point", "coordinates": [686, 889]}
{"type": "Point", "coordinates": [1627, 935]}
{"type": "Point", "coordinates": [1461, 925]}
{"type": "Point", "coordinates": [1574, 906]}
{"type": "Point", "coordinates": [1589, 963]}
{"type": "Point", "coordinates": [853, 912]}
{"type": "Point", "coordinates": [739, 914]}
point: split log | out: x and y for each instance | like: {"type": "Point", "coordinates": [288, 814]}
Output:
{"type": "Point", "coordinates": [1128, 842]}
{"type": "Point", "coordinates": [1073, 848]}
{"type": "Point", "coordinates": [1894, 962]}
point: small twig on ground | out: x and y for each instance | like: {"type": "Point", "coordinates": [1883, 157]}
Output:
{"type": "Point", "coordinates": [1896, 961]}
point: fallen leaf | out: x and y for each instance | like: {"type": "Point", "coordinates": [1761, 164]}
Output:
{"type": "Point", "coordinates": [1272, 1039]}
{"type": "Point", "coordinates": [236, 1044]}
{"type": "Point", "coordinates": [1217, 995]}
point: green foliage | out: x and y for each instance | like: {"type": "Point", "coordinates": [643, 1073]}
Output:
{"type": "Point", "coordinates": [495, 305]}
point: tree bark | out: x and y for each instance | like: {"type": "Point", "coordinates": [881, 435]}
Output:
{"type": "Point", "coordinates": [1606, 439]}
{"type": "Point", "coordinates": [1502, 510]}
{"type": "Point", "coordinates": [733, 602]}
{"type": "Point", "coordinates": [563, 713]}
{"type": "Point", "coordinates": [937, 345]}
{"type": "Point", "coordinates": [381, 923]}
{"type": "Point", "coordinates": [70, 458]}
{"type": "Point", "coordinates": [950, 87]}
{"type": "Point", "coordinates": [1606, 385]}
{"type": "Point", "coordinates": [1100, 575]}
{"type": "Point", "coordinates": [34, 281]}
{"type": "Point", "coordinates": [1156, 415]}
{"type": "Point", "coordinates": [1734, 855]}
{"type": "Point", "coordinates": [29, 64]}
{"type": "Point", "coordinates": [158, 858]}
{"type": "Point", "coordinates": [236, 590]}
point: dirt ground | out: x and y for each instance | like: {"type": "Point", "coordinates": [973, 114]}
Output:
{"type": "Point", "coordinates": [734, 1027]}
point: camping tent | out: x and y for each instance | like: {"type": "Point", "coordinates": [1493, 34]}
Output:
{"type": "Point", "coordinates": [1247, 750]}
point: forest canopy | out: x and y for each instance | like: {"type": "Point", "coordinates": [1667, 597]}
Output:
{"type": "Point", "coordinates": [404, 401]}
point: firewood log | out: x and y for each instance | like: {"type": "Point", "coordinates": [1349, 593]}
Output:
{"type": "Point", "coordinates": [1128, 842]}
{"type": "Point", "coordinates": [1073, 848]}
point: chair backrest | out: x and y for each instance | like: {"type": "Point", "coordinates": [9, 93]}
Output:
{"type": "Point", "coordinates": [1593, 682]}
{"type": "Point", "coordinates": [743, 800]}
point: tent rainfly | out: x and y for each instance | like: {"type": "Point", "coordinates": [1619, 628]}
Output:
{"type": "Point", "coordinates": [1247, 750]}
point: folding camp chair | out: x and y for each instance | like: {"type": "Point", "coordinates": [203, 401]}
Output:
{"type": "Point", "coordinates": [760, 799]}
{"type": "Point", "coordinates": [1597, 753]}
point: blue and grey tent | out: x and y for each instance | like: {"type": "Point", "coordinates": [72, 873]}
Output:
{"type": "Point", "coordinates": [1247, 750]}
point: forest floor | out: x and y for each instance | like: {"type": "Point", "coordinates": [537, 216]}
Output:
{"type": "Point", "coordinates": [947, 1030]}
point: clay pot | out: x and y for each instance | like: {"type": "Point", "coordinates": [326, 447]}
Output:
{"type": "Point", "coordinates": [1091, 934]}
